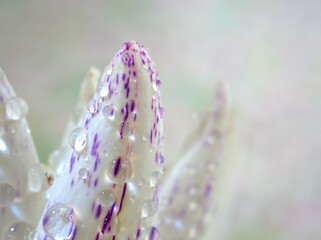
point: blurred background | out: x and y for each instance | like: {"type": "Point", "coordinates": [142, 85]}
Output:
{"type": "Point", "coordinates": [268, 51]}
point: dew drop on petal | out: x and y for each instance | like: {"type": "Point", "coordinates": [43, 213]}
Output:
{"type": "Point", "coordinates": [78, 139]}
{"type": "Point", "coordinates": [113, 227]}
{"type": "Point", "coordinates": [109, 69]}
{"type": "Point", "coordinates": [16, 108]}
{"type": "Point", "coordinates": [34, 235]}
{"type": "Point", "coordinates": [106, 198]}
{"type": "Point", "coordinates": [126, 130]}
{"type": "Point", "coordinates": [59, 222]}
{"type": "Point", "coordinates": [83, 173]}
{"type": "Point", "coordinates": [7, 194]}
{"type": "Point", "coordinates": [18, 231]}
{"type": "Point", "coordinates": [155, 179]}
{"type": "Point", "coordinates": [85, 157]}
{"type": "Point", "coordinates": [148, 209]}
{"type": "Point", "coordinates": [119, 170]}
{"type": "Point", "coordinates": [102, 89]}
{"type": "Point", "coordinates": [125, 58]}
{"type": "Point", "coordinates": [109, 112]}
{"type": "Point", "coordinates": [92, 106]}
{"type": "Point", "coordinates": [156, 85]}
{"type": "Point", "coordinates": [36, 176]}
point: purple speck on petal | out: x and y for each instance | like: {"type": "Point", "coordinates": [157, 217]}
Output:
{"type": "Point", "coordinates": [117, 166]}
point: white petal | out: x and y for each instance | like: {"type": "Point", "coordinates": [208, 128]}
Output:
{"type": "Point", "coordinates": [22, 194]}
{"type": "Point", "coordinates": [187, 192]}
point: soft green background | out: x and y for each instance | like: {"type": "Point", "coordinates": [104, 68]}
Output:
{"type": "Point", "coordinates": [269, 52]}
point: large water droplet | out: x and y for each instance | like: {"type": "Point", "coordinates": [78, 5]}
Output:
{"type": "Point", "coordinates": [78, 139]}
{"type": "Point", "coordinates": [106, 198]}
{"type": "Point", "coordinates": [148, 209]}
{"type": "Point", "coordinates": [92, 106]}
{"type": "Point", "coordinates": [155, 179]}
{"type": "Point", "coordinates": [109, 112]}
{"type": "Point", "coordinates": [18, 231]}
{"type": "Point", "coordinates": [59, 222]}
{"type": "Point", "coordinates": [120, 170]}
{"type": "Point", "coordinates": [102, 89]}
{"type": "Point", "coordinates": [34, 235]}
{"type": "Point", "coordinates": [113, 227]}
{"type": "Point", "coordinates": [16, 108]}
{"type": "Point", "coordinates": [7, 194]}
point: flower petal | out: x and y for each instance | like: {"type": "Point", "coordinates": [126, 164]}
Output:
{"type": "Point", "coordinates": [187, 191]}
{"type": "Point", "coordinates": [104, 188]}
{"type": "Point", "coordinates": [22, 179]}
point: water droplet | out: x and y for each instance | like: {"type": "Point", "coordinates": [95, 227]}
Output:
{"type": "Point", "coordinates": [103, 155]}
{"type": "Point", "coordinates": [109, 69]}
{"type": "Point", "coordinates": [59, 222]}
{"type": "Point", "coordinates": [126, 130]}
{"type": "Point", "coordinates": [145, 138]}
{"type": "Point", "coordinates": [109, 112]}
{"type": "Point", "coordinates": [152, 234]}
{"type": "Point", "coordinates": [18, 231]}
{"type": "Point", "coordinates": [125, 58]}
{"type": "Point", "coordinates": [131, 137]}
{"type": "Point", "coordinates": [85, 157]}
{"type": "Point", "coordinates": [156, 85]}
{"type": "Point", "coordinates": [16, 108]}
{"type": "Point", "coordinates": [141, 182]}
{"type": "Point", "coordinates": [106, 198]}
{"type": "Point", "coordinates": [78, 139]}
{"type": "Point", "coordinates": [102, 89]}
{"type": "Point", "coordinates": [83, 173]}
{"type": "Point", "coordinates": [7, 194]}
{"type": "Point", "coordinates": [113, 227]}
{"type": "Point", "coordinates": [155, 179]}
{"type": "Point", "coordinates": [92, 106]}
{"type": "Point", "coordinates": [34, 235]}
{"type": "Point", "coordinates": [36, 177]}
{"type": "Point", "coordinates": [120, 170]}
{"type": "Point", "coordinates": [149, 209]}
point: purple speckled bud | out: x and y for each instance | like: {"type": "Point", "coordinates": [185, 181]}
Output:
{"type": "Point", "coordinates": [104, 190]}
{"type": "Point", "coordinates": [187, 191]}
